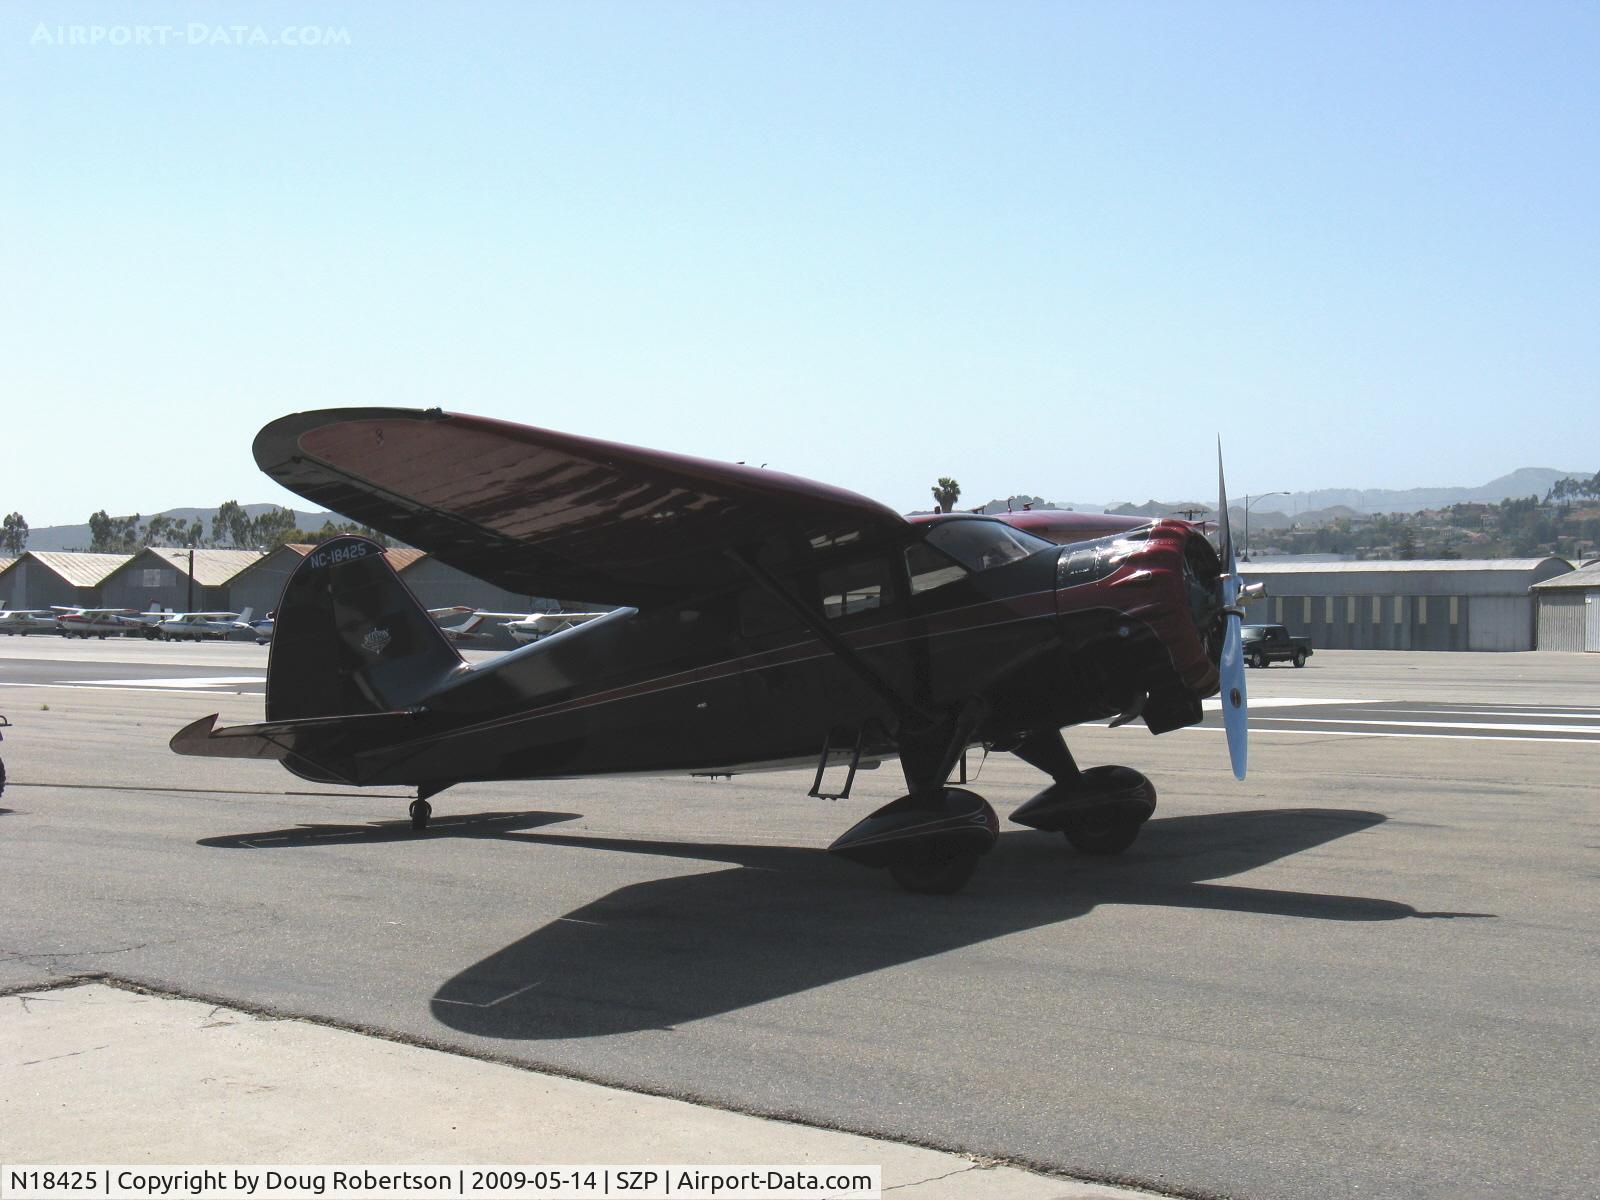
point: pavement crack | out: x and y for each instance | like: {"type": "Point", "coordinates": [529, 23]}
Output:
{"type": "Point", "coordinates": [977, 1166]}
{"type": "Point", "coordinates": [33, 1062]}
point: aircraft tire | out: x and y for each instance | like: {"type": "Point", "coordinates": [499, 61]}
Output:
{"type": "Point", "coordinates": [420, 810]}
{"type": "Point", "coordinates": [1111, 831]}
{"type": "Point", "coordinates": [932, 873]}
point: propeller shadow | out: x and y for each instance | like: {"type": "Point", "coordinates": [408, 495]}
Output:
{"type": "Point", "coordinates": [486, 824]}
{"type": "Point", "coordinates": [783, 920]}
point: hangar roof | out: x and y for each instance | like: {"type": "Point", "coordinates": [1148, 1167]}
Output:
{"type": "Point", "coordinates": [5, 562]}
{"type": "Point", "coordinates": [80, 570]}
{"type": "Point", "coordinates": [1583, 577]}
{"type": "Point", "coordinates": [212, 568]}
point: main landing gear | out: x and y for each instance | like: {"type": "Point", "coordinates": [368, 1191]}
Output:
{"type": "Point", "coordinates": [930, 841]}
{"type": "Point", "coordinates": [421, 810]}
{"type": "Point", "coordinates": [1100, 811]}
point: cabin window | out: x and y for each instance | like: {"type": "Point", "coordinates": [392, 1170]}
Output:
{"type": "Point", "coordinates": [854, 588]}
{"type": "Point", "coordinates": [930, 568]}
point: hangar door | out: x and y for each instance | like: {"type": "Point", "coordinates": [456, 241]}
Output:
{"type": "Point", "coordinates": [1591, 621]}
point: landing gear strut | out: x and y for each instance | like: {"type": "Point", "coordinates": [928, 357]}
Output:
{"type": "Point", "coordinates": [421, 810]}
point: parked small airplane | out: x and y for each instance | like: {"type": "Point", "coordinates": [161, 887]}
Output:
{"type": "Point", "coordinates": [533, 626]}
{"type": "Point", "coordinates": [768, 622]}
{"type": "Point", "coordinates": [98, 622]}
{"type": "Point", "coordinates": [201, 626]}
{"type": "Point", "coordinates": [23, 621]}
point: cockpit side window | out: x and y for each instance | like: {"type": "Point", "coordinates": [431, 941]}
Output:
{"type": "Point", "coordinates": [979, 545]}
{"type": "Point", "coordinates": [930, 568]}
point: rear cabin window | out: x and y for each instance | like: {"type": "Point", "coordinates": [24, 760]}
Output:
{"type": "Point", "coordinates": [854, 588]}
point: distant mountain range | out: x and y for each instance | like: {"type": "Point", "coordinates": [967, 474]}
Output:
{"type": "Point", "coordinates": [1327, 504]}
{"type": "Point", "coordinates": [1314, 507]}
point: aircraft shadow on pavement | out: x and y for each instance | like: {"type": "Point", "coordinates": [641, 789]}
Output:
{"type": "Point", "coordinates": [785, 919]}
{"type": "Point", "coordinates": [486, 824]}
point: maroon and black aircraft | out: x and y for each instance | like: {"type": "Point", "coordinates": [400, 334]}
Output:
{"type": "Point", "coordinates": [764, 621]}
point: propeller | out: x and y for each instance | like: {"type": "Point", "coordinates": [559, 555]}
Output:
{"type": "Point", "coordinates": [1231, 664]}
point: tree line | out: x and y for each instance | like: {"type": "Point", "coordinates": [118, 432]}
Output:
{"type": "Point", "coordinates": [231, 528]}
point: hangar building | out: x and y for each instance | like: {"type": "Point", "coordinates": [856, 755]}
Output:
{"type": "Point", "coordinates": [158, 577]}
{"type": "Point", "coordinates": [42, 578]}
{"type": "Point", "coordinates": [1420, 604]}
{"type": "Point", "coordinates": [1569, 610]}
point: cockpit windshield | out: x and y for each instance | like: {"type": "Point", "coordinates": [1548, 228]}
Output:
{"type": "Point", "coordinates": [979, 545]}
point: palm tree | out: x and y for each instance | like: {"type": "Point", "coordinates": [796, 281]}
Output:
{"type": "Point", "coordinates": [945, 494]}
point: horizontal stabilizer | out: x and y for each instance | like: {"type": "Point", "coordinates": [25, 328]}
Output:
{"type": "Point", "coordinates": [278, 739]}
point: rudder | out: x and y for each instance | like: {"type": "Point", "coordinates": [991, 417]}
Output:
{"type": "Point", "coordinates": [351, 638]}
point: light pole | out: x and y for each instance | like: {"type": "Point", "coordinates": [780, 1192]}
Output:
{"type": "Point", "coordinates": [1247, 503]}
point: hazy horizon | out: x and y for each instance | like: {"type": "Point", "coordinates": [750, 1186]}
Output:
{"type": "Point", "coordinates": [1053, 245]}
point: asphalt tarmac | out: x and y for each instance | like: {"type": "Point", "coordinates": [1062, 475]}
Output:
{"type": "Point", "coordinates": [1368, 970]}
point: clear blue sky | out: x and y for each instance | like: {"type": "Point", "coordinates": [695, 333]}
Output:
{"type": "Point", "coordinates": [1050, 248]}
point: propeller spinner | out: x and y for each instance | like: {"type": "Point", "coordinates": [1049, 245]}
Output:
{"type": "Point", "coordinates": [1231, 664]}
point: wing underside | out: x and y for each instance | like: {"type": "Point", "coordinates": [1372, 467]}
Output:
{"type": "Point", "coordinates": [543, 513]}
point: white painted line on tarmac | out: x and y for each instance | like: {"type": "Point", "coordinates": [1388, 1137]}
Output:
{"type": "Point", "coordinates": [1592, 714]}
{"type": "Point", "coordinates": [1444, 737]}
{"type": "Point", "coordinates": [1514, 728]}
{"type": "Point", "coordinates": [1214, 704]}
{"type": "Point", "coordinates": [5, 683]}
{"type": "Point", "coordinates": [179, 681]}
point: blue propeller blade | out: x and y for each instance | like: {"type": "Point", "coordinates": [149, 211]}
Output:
{"type": "Point", "coordinates": [1231, 666]}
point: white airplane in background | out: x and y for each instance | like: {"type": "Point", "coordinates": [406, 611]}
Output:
{"type": "Point", "coordinates": [199, 626]}
{"type": "Point", "coordinates": [470, 630]}
{"type": "Point", "coordinates": [99, 622]}
{"type": "Point", "coordinates": [23, 621]}
{"type": "Point", "coordinates": [531, 627]}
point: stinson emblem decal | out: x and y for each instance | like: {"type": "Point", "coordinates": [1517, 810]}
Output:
{"type": "Point", "coordinates": [376, 641]}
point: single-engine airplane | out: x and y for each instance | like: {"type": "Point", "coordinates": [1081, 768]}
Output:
{"type": "Point", "coordinates": [530, 627]}
{"type": "Point", "coordinates": [203, 626]}
{"type": "Point", "coordinates": [767, 621]}
{"type": "Point", "coordinates": [74, 621]}
{"type": "Point", "coordinates": [27, 620]}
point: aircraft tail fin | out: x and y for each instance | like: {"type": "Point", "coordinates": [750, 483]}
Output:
{"type": "Point", "coordinates": [244, 617]}
{"type": "Point", "coordinates": [351, 639]}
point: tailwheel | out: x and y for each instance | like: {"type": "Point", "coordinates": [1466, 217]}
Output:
{"type": "Point", "coordinates": [421, 810]}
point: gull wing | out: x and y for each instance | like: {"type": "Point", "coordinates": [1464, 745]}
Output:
{"type": "Point", "coordinates": [544, 513]}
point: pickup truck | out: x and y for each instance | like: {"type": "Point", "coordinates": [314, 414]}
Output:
{"type": "Point", "coordinates": [1264, 644]}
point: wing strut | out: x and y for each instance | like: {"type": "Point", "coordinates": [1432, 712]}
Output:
{"type": "Point", "coordinates": [908, 712]}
